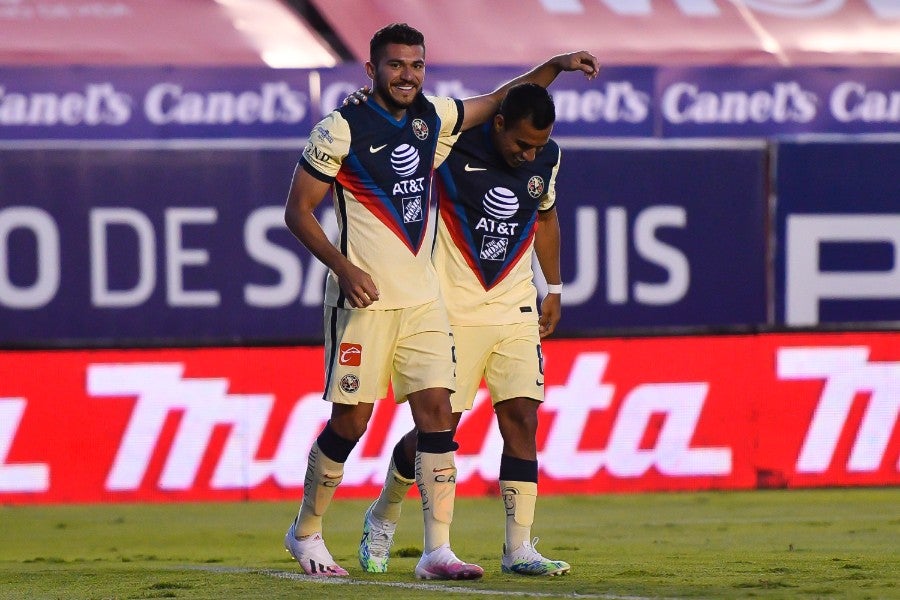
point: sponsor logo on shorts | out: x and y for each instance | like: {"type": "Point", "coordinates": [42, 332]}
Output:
{"type": "Point", "coordinates": [350, 355]}
{"type": "Point", "coordinates": [350, 383]}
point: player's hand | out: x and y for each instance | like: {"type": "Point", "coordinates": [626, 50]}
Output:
{"type": "Point", "coordinates": [551, 311]}
{"type": "Point", "coordinates": [357, 286]}
{"type": "Point", "coordinates": [582, 61]}
{"type": "Point", "coordinates": [360, 95]}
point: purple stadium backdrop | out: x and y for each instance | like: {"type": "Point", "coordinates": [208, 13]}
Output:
{"type": "Point", "coordinates": [144, 205]}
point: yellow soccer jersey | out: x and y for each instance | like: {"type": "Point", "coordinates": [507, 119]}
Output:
{"type": "Point", "coordinates": [487, 216]}
{"type": "Point", "coordinates": [381, 172]}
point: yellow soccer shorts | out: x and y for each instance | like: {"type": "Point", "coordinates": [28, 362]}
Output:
{"type": "Point", "coordinates": [507, 357]}
{"type": "Point", "coordinates": [367, 350]}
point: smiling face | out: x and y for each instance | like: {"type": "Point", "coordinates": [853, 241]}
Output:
{"type": "Point", "coordinates": [397, 76]}
{"type": "Point", "coordinates": [520, 141]}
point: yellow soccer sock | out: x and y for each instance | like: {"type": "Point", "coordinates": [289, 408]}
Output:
{"type": "Point", "coordinates": [436, 479]}
{"type": "Point", "coordinates": [390, 500]}
{"type": "Point", "coordinates": [323, 475]}
{"type": "Point", "coordinates": [519, 499]}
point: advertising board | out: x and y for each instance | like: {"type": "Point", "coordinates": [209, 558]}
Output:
{"type": "Point", "coordinates": [645, 414]}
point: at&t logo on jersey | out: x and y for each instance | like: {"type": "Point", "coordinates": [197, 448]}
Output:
{"type": "Point", "coordinates": [501, 204]}
{"type": "Point", "coordinates": [405, 160]}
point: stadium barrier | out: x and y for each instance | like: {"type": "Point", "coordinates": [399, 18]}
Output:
{"type": "Point", "coordinates": [642, 414]}
{"type": "Point", "coordinates": [176, 246]}
{"type": "Point", "coordinates": [143, 208]}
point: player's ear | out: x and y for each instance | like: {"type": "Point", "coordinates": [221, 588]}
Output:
{"type": "Point", "coordinates": [370, 70]}
{"type": "Point", "coordinates": [498, 123]}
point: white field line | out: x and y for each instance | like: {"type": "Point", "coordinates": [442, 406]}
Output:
{"type": "Point", "coordinates": [799, 520]}
{"type": "Point", "coordinates": [427, 587]}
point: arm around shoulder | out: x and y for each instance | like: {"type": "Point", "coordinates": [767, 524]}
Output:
{"type": "Point", "coordinates": [479, 109]}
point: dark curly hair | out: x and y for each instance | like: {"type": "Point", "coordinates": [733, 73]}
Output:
{"type": "Point", "coordinates": [528, 101]}
{"type": "Point", "coordinates": [395, 33]}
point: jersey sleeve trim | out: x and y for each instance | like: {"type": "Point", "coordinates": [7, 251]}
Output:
{"type": "Point", "coordinates": [314, 172]}
{"type": "Point", "coordinates": [460, 113]}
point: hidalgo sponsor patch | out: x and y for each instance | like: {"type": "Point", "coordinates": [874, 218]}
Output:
{"type": "Point", "coordinates": [350, 355]}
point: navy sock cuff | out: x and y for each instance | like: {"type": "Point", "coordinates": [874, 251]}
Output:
{"type": "Point", "coordinates": [333, 446]}
{"type": "Point", "coordinates": [401, 462]}
{"type": "Point", "coordinates": [517, 469]}
{"type": "Point", "coordinates": [436, 442]}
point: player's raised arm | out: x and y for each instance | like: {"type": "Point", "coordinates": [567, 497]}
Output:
{"type": "Point", "coordinates": [479, 109]}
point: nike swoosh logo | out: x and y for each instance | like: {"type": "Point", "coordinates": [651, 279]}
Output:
{"type": "Point", "coordinates": [470, 169]}
{"type": "Point", "coordinates": [442, 470]}
{"type": "Point", "coordinates": [538, 383]}
{"type": "Point", "coordinates": [374, 149]}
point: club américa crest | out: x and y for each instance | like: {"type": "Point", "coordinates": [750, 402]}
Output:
{"type": "Point", "coordinates": [350, 383]}
{"type": "Point", "coordinates": [536, 186]}
{"type": "Point", "coordinates": [420, 128]}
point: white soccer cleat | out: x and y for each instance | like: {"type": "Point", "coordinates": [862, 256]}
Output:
{"type": "Point", "coordinates": [441, 563]}
{"type": "Point", "coordinates": [375, 545]}
{"type": "Point", "coordinates": [312, 554]}
{"type": "Point", "coordinates": [525, 560]}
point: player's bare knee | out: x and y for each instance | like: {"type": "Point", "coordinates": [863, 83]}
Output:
{"type": "Point", "coordinates": [517, 418]}
{"type": "Point", "coordinates": [350, 425]}
{"type": "Point", "coordinates": [431, 410]}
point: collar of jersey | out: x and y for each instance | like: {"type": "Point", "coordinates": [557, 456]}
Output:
{"type": "Point", "coordinates": [388, 116]}
{"type": "Point", "coordinates": [488, 141]}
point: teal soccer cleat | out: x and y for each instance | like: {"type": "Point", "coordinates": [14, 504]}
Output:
{"type": "Point", "coordinates": [376, 542]}
{"type": "Point", "coordinates": [525, 560]}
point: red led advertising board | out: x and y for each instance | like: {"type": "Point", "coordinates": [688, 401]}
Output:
{"type": "Point", "coordinates": [643, 414]}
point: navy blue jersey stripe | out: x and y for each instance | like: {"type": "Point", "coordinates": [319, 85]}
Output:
{"type": "Point", "coordinates": [460, 111]}
{"type": "Point", "coordinates": [332, 338]}
{"type": "Point", "coordinates": [341, 214]}
{"type": "Point", "coordinates": [491, 205]}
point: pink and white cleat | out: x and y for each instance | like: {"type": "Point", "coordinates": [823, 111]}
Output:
{"type": "Point", "coordinates": [441, 563]}
{"type": "Point", "coordinates": [312, 555]}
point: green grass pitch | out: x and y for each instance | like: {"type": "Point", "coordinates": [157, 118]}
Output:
{"type": "Point", "coordinates": [827, 543]}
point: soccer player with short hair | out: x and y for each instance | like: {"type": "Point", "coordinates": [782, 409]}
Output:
{"type": "Point", "coordinates": [496, 209]}
{"type": "Point", "coordinates": [384, 319]}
